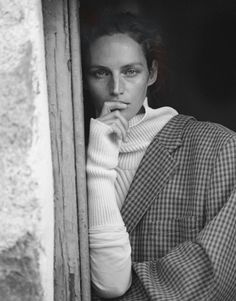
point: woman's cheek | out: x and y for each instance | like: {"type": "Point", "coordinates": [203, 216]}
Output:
{"type": "Point", "coordinates": [97, 90]}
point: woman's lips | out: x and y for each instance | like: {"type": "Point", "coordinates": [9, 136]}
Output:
{"type": "Point", "coordinates": [121, 101]}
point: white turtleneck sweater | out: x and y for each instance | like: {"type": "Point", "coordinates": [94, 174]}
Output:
{"type": "Point", "coordinates": [111, 166]}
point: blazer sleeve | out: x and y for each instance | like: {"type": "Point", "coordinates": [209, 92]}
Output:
{"type": "Point", "coordinates": [203, 269]}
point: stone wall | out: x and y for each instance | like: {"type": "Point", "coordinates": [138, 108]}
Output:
{"type": "Point", "coordinates": [26, 188]}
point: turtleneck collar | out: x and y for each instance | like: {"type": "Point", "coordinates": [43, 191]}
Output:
{"type": "Point", "coordinates": [139, 117]}
{"type": "Point", "coordinates": [144, 126]}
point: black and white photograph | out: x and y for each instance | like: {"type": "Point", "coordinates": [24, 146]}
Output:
{"type": "Point", "coordinates": [117, 150]}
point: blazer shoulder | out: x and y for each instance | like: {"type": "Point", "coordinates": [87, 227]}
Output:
{"type": "Point", "coordinates": [207, 132]}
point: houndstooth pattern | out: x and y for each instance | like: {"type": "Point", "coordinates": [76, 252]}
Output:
{"type": "Point", "coordinates": [180, 213]}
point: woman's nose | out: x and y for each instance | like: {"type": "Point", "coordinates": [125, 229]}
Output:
{"type": "Point", "coordinates": [116, 85]}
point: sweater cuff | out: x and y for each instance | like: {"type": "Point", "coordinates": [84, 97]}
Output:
{"type": "Point", "coordinates": [103, 149]}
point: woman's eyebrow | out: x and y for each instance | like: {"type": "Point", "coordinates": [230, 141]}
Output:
{"type": "Point", "coordinates": [133, 64]}
{"type": "Point", "coordinates": [130, 65]}
{"type": "Point", "coordinates": [98, 66]}
{"type": "Point", "coordinates": [124, 66]}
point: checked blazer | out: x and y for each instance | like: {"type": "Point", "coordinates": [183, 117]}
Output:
{"type": "Point", "coordinates": [180, 213]}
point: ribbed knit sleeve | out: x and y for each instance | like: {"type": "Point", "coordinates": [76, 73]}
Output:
{"type": "Point", "coordinates": [109, 242]}
{"type": "Point", "coordinates": [102, 159]}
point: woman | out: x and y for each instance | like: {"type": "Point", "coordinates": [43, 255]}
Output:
{"type": "Point", "coordinates": [161, 186]}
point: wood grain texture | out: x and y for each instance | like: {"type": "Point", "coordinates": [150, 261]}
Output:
{"type": "Point", "coordinates": [79, 147]}
{"type": "Point", "coordinates": [68, 156]}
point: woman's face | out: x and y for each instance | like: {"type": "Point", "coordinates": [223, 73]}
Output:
{"type": "Point", "coordinates": [117, 71]}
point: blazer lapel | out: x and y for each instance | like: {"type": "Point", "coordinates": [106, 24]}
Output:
{"type": "Point", "coordinates": [154, 171]}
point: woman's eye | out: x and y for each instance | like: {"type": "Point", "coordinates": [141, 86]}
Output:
{"type": "Point", "coordinates": [100, 73]}
{"type": "Point", "coordinates": [130, 72]}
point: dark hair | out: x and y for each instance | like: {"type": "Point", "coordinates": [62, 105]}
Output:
{"type": "Point", "coordinates": [143, 31]}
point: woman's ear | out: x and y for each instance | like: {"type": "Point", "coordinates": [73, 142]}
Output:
{"type": "Point", "coordinates": [153, 72]}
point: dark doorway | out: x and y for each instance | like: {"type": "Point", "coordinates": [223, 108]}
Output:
{"type": "Point", "coordinates": [200, 39]}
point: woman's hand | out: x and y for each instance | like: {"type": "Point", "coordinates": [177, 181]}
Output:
{"type": "Point", "coordinates": [112, 116]}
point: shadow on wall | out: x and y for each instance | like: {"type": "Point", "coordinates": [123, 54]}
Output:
{"type": "Point", "coordinates": [200, 40]}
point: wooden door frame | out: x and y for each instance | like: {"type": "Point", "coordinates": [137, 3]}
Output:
{"type": "Point", "coordinates": [64, 80]}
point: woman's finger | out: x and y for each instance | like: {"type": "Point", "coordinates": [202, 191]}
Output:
{"type": "Point", "coordinates": [118, 125]}
{"type": "Point", "coordinates": [117, 131]}
{"type": "Point", "coordinates": [110, 106]}
{"type": "Point", "coordinates": [113, 116]}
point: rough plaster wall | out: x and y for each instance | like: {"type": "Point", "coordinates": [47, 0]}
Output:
{"type": "Point", "coordinates": [26, 196]}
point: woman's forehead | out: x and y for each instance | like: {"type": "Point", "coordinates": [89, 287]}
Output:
{"type": "Point", "coordinates": [116, 49]}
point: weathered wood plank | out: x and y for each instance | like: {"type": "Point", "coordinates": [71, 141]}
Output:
{"type": "Point", "coordinates": [57, 43]}
{"type": "Point", "coordinates": [80, 148]}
